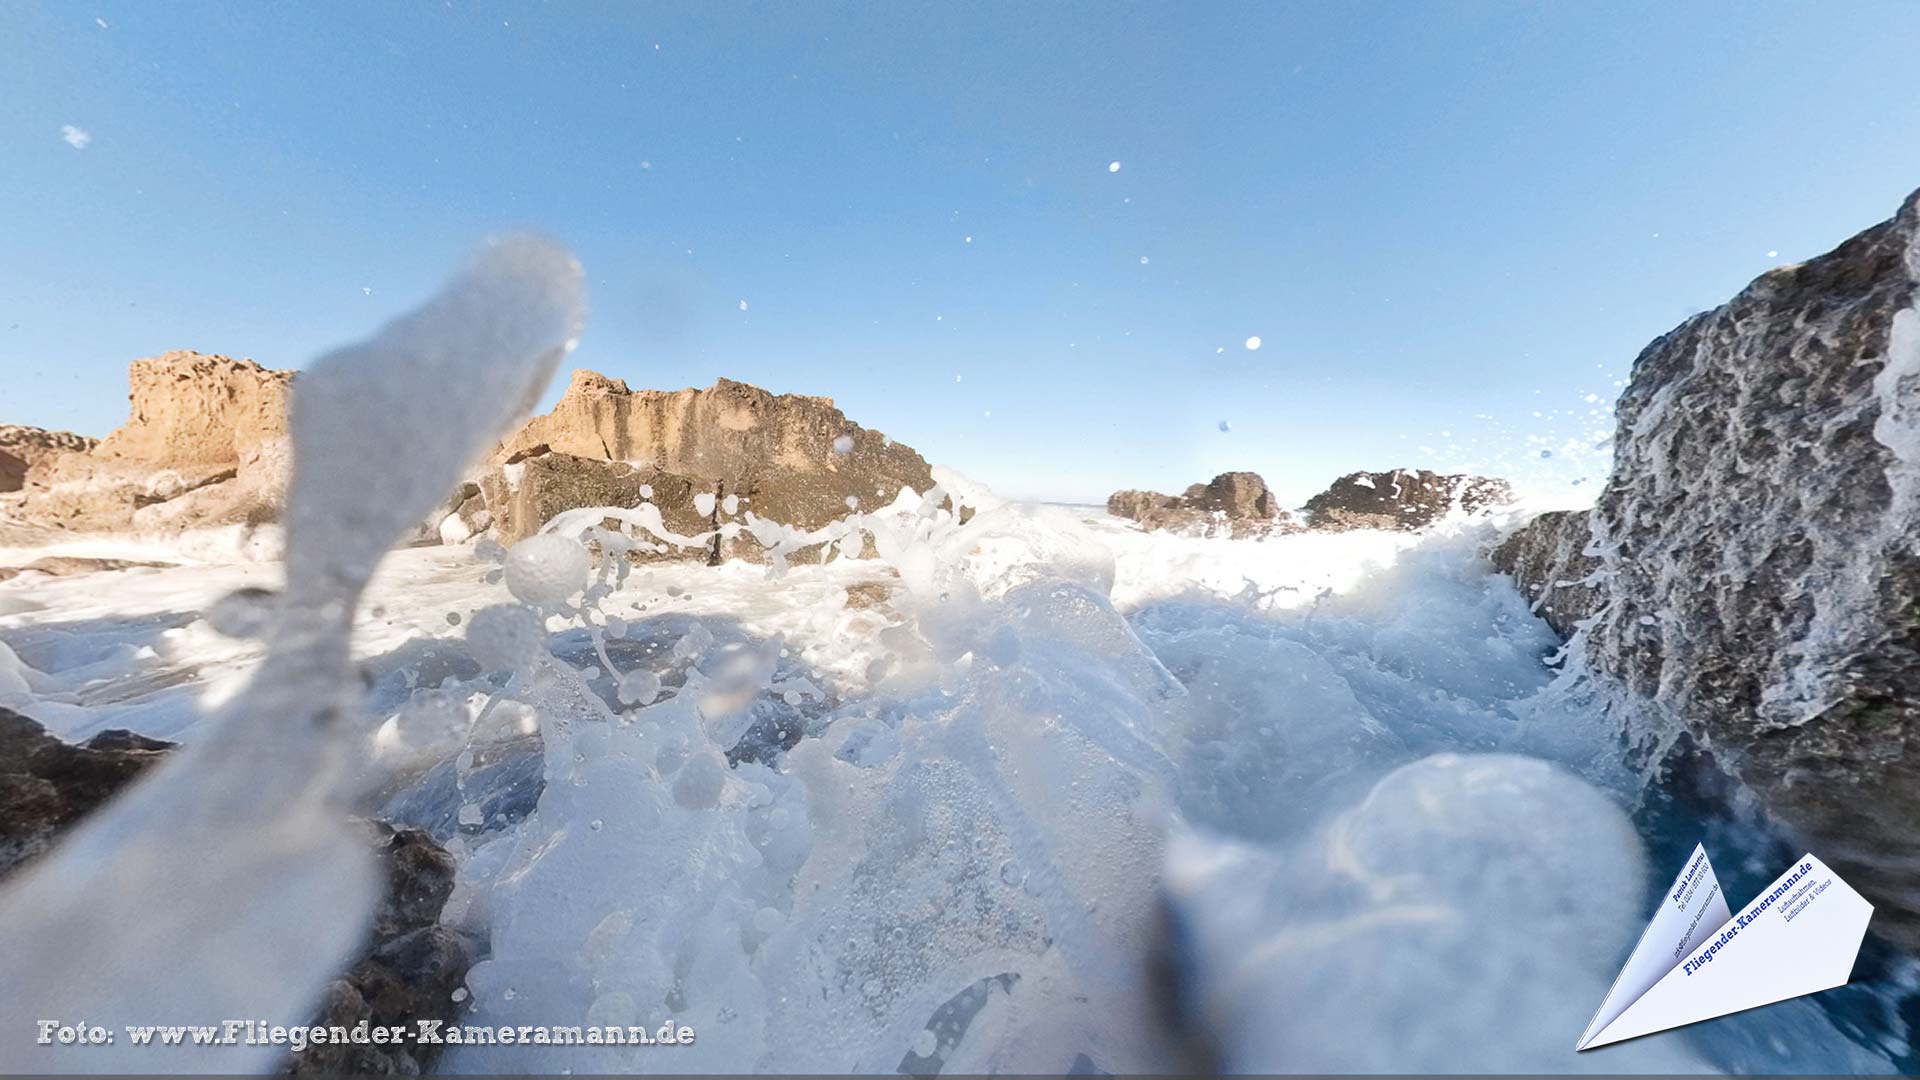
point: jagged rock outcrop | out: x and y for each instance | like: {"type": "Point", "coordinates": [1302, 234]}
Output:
{"type": "Point", "coordinates": [206, 444]}
{"type": "Point", "coordinates": [788, 458]}
{"type": "Point", "coordinates": [411, 965]}
{"type": "Point", "coordinates": [1403, 499]}
{"type": "Point", "coordinates": [1547, 558]}
{"type": "Point", "coordinates": [23, 447]}
{"type": "Point", "coordinates": [1761, 532]}
{"type": "Point", "coordinates": [1233, 504]}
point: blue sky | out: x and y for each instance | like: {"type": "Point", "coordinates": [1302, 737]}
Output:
{"type": "Point", "coordinates": [1451, 225]}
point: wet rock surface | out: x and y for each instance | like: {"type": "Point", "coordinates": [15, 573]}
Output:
{"type": "Point", "coordinates": [1547, 558]}
{"type": "Point", "coordinates": [411, 966]}
{"type": "Point", "coordinates": [70, 565]}
{"type": "Point", "coordinates": [46, 785]}
{"type": "Point", "coordinates": [411, 969]}
{"type": "Point", "coordinates": [1403, 499]}
{"type": "Point", "coordinates": [1761, 578]}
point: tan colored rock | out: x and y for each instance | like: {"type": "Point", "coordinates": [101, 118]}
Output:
{"type": "Point", "coordinates": [23, 447]}
{"type": "Point", "coordinates": [788, 458]}
{"type": "Point", "coordinates": [205, 444]}
{"type": "Point", "coordinates": [192, 409]}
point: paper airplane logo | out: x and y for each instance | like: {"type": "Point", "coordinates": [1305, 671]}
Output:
{"type": "Point", "coordinates": [1697, 960]}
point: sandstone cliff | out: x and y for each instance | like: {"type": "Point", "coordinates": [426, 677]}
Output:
{"type": "Point", "coordinates": [1759, 548]}
{"type": "Point", "coordinates": [789, 458]}
{"type": "Point", "coordinates": [206, 443]}
{"type": "Point", "coordinates": [22, 448]}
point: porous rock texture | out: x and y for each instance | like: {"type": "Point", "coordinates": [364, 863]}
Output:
{"type": "Point", "coordinates": [1760, 542]}
{"type": "Point", "coordinates": [23, 447]}
{"type": "Point", "coordinates": [411, 965]}
{"type": "Point", "coordinates": [1548, 559]}
{"type": "Point", "coordinates": [1402, 499]}
{"type": "Point", "coordinates": [788, 458]}
{"type": "Point", "coordinates": [205, 444]}
{"type": "Point", "coordinates": [1233, 504]}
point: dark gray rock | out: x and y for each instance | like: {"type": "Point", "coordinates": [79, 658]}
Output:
{"type": "Point", "coordinates": [409, 972]}
{"type": "Point", "coordinates": [1761, 532]}
{"type": "Point", "coordinates": [1402, 499]}
{"type": "Point", "coordinates": [1547, 557]}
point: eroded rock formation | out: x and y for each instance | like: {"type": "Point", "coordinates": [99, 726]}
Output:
{"type": "Point", "coordinates": [23, 447]}
{"type": "Point", "coordinates": [1233, 504]}
{"type": "Point", "coordinates": [1760, 547]}
{"type": "Point", "coordinates": [788, 458]}
{"type": "Point", "coordinates": [205, 444]}
{"type": "Point", "coordinates": [1548, 559]}
{"type": "Point", "coordinates": [1402, 499]}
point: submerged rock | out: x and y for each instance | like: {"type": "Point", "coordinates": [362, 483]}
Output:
{"type": "Point", "coordinates": [411, 965]}
{"type": "Point", "coordinates": [1233, 504]}
{"type": "Point", "coordinates": [1403, 499]}
{"type": "Point", "coordinates": [1760, 549]}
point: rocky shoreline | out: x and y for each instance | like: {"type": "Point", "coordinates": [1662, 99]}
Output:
{"type": "Point", "coordinates": [1238, 505]}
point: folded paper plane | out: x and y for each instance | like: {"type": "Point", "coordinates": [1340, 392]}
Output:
{"type": "Point", "coordinates": [1697, 960]}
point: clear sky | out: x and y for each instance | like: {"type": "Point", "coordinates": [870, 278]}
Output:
{"type": "Point", "coordinates": [1452, 226]}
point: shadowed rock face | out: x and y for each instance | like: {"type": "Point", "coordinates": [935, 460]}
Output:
{"type": "Point", "coordinates": [1761, 578]}
{"type": "Point", "coordinates": [22, 447]}
{"type": "Point", "coordinates": [1233, 504]}
{"type": "Point", "coordinates": [524, 495]}
{"type": "Point", "coordinates": [1547, 559]}
{"type": "Point", "coordinates": [789, 458]}
{"type": "Point", "coordinates": [205, 445]}
{"type": "Point", "coordinates": [1403, 499]}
